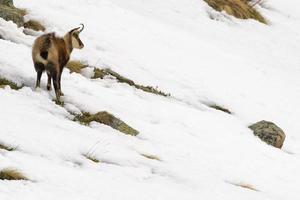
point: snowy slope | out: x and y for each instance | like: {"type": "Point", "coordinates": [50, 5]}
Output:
{"type": "Point", "coordinates": [250, 68]}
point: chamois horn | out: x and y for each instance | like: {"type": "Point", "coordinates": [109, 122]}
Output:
{"type": "Point", "coordinates": [82, 27]}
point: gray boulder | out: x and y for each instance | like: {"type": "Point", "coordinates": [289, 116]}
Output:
{"type": "Point", "coordinates": [269, 133]}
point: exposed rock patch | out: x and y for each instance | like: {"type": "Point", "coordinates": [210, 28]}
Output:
{"type": "Point", "coordinates": [107, 119]}
{"type": "Point", "coordinates": [101, 73]}
{"type": "Point", "coordinates": [76, 66]}
{"type": "Point", "coordinates": [10, 13]}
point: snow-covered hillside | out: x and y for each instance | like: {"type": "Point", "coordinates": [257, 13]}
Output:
{"type": "Point", "coordinates": [185, 149]}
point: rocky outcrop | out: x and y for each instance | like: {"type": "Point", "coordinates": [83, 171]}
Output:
{"type": "Point", "coordinates": [7, 3]}
{"type": "Point", "coordinates": [269, 133]}
{"type": "Point", "coordinates": [10, 13]}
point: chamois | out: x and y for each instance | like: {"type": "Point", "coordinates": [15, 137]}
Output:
{"type": "Point", "coordinates": [51, 53]}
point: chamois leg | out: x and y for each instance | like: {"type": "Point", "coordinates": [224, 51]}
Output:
{"type": "Point", "coordinates": [39, 68]}
{"type": "Point", "coordinates": [49, 81]}
{"type": "Point", "coordinates": [53, 69]}
{"type": "Point", "coordinates": [55, 78]}
{"type": "Point", "coordinates": [38, 79]}
{"type": "Point", "coordinates": [59, 83]}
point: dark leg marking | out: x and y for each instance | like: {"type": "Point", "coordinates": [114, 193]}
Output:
{"type": "Point", "coordinates": [39, 68]}
{"type": "Point", "coordinates": [49, 81]}
{"type": "Point", "coordinates": [59, 82]}
{"type": "Point", "coordinates": [55, 78]}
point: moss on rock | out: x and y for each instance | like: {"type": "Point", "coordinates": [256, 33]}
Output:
{"type": "Point", "coordinates": [107, 119]}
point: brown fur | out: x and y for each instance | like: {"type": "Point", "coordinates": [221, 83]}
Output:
{"type": "Point", "coordinates": [51, 53]}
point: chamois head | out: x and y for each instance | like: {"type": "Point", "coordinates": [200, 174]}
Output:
{"type": "Point", "coordinates": [74, 34]}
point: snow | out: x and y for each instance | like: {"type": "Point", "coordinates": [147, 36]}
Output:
{"type": "Point", "coordinates": [250, 68]}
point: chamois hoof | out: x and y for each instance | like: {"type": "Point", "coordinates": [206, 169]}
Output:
{"type": "Point", "coordinates": [49, 87]}
{"type": "Point", "coordinates": [37, 89]}
{"type": "Point", "coordinates": [59, 102]}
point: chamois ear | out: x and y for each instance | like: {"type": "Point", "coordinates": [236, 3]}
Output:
{"type": "Point", "coordinates": [77, 30]}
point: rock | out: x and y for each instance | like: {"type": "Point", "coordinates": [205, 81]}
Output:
{"type": "Point", "coordinates": [10, 13]}
{"type": "Point", "coordinates": [269, 133]}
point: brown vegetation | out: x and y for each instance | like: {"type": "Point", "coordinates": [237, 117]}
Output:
{"type": "Point", "coordinates": [239, 8]}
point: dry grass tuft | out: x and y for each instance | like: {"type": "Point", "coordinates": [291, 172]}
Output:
{"type": "Point", "coordinates": [6, 147]}
{"type": "Point", "coordinates": [151, 157]}
{"type": "Point", "coordinates": [4, 82]}
{"type": "Point", "coordinates": [34, 25]}
{"type": "Point", "coordinates": [11, 174]}
{"type": "Point", "coordinates": [75, 66]}
{"type": "Point", "coordinates": [220, 108]}
{"type": "Point", "coordinates": [91, 158]}
{"type": "Point", "coordinates": [247, 186]}
{"type": "Point", "coordinates": [244, 186]}
{"type": "Point", "coordinates": [239, 8]}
